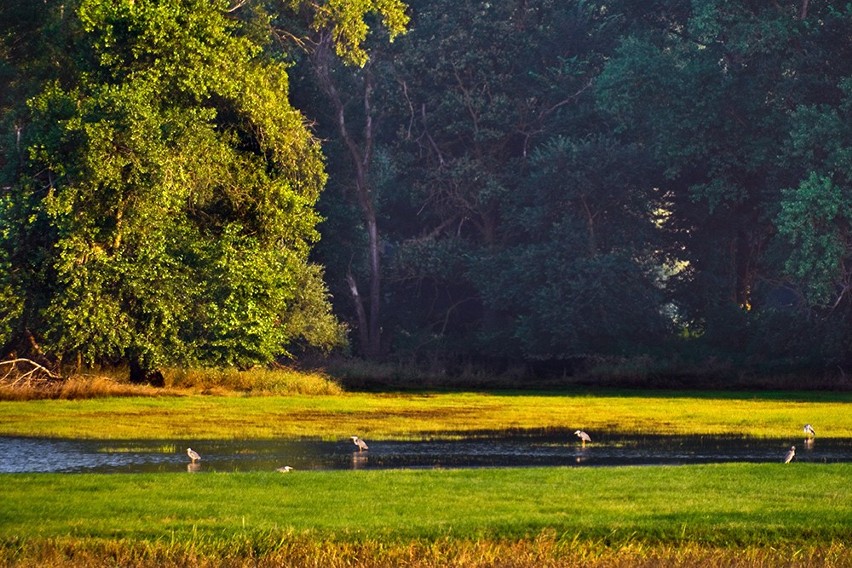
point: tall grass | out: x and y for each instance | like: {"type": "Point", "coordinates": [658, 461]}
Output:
{"type": "Point", "coordinates": [279, 381]}
{"type": "Point", "coordinates": [77, 387]}
{"type": "Point", "coordinates": [286, 550]}
{"type": "Point", "coordinates": [178, 382]}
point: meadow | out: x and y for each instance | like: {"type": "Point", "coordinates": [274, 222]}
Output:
{"type": "Point", "coordinates": [560, 516]}
{"type": "Point", "coordinates": [424, 415]}
{"type": "Point", "coordinates": [798, 514]}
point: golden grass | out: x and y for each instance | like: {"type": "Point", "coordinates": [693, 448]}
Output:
{"type": "Point", "coordinates": [76, 387]}
{"type": "Point", "coordinates": [415, 416]}
{"type": "Point", "coordinates": [261, 381]}
{"type": "Point", "coordinates": [178, 382]}
{"type": "Point", "coordinates": [546, 550]}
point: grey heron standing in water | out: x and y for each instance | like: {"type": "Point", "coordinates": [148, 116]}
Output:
{"type": "Point", "coordinates": [809, 430]}
{"type": "Point", "coordinates": [583, 437]}
{"type": "Point", "coordinates": [362, 445]}
{"type": "Point", "coordinates": [790, 454]}
{"type": "Point", "coordinates": [193, 455]}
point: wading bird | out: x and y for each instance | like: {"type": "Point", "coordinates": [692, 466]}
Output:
{"type": "Point", "coordinates": [193, 455]}
{"type": "Point", "coordinates": [809, 430]}
{"type": "Point", "coordinates": [362, 445]}
{"type": "Point", "coordinates": [285, 469]}
{"type": "Point", "coordinates": [583, 436]}
{"type": "Point", "coordinates": [790, 455]}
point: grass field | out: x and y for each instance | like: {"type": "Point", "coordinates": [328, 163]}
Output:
{"type": "Point", "coordinates": [721, 510]}
{"type": "Point", "coordinates": [707, 515]}
{"type": "Point", "coordinates": [430, 415]}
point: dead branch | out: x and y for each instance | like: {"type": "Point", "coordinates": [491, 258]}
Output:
{"type": "Point", "coordinates": [17, 376]}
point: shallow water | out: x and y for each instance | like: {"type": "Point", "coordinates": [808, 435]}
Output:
{"type": "Point", "coordinates": [99, 456]}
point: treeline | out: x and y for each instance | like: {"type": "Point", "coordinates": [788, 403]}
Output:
{"type": "Point", "coordinates": [539, 184]}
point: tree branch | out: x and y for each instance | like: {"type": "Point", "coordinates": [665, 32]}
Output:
{"type": "Point", "coordinates": [13, 363]}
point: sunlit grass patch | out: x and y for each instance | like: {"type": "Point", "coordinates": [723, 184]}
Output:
{"type": "Point", "coordinates": [279, 381]}
{"type": "Point", "coordinates": [417, 416]}
{"type": "Point", "coordinates": [157, 449]}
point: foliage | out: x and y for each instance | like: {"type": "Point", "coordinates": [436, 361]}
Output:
{"type": "Point", "coordinates": [472, 138]}
{"type": "Point", "coordinates": [518, 184]}
{"type": "Point", "coordinates": [173, 188]}
{"type": "Point", "coordinates": [815, 216]}
{"type": "Point", "coordinates": [347, 22]}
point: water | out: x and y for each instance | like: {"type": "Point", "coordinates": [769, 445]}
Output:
{"type": "Point", "coordinates": [98, 456]}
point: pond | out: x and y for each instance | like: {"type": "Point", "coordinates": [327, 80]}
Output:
{"type": "Point", "coordinates": [20, 455]}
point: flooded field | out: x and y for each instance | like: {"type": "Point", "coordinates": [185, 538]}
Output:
{"type": "Point", "coordinates": [19, 455]}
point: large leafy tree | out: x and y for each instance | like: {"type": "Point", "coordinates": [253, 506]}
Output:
{"type": "Point", "coordinates": [164, 211]}
{"type": "Point", "coordinates": [815, 215]}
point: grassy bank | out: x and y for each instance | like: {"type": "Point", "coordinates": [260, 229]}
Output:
{"type": "Point", "coordinates": [425, 415]}
{"type": "Point", "coordinates": [538, 515]}
{"type": "Point", "coordinates": [717, 515]}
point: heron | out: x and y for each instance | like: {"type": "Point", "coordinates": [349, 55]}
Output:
{"type": "Point", "coordinates": [790, 455]}
{"type": "Point", "coordinates": [583, 437]}
{"type": "Point", "coordinates": [809, 430]}
{"type": "Point", "coordinates": [193, 455]}
{"type": "Point", "coordinates": [285, 469]}
{"type": "Point", "coordinates": [362, 445]}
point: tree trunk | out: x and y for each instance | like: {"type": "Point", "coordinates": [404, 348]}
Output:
{"type": "Point", "coordinates": [139, 374]}
{"type": "Point", "coordinates": [363, 322]}
{"type": "Point", "coordinates": [361, 155]}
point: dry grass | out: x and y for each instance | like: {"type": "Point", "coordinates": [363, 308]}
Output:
{"type": "Point", "coordinates": [262, 381]}
{"type": "Point", "coordinates": [76, 387]}
{"type": "Point", "coordinates": [178, 382]}
{"type": "Point", "coordinates": [286, 550]}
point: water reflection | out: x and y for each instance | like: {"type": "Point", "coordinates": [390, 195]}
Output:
{"type": "Point", "coordinates": [562, 449]}
{"type": "Point", "coordinates": [359, 460]}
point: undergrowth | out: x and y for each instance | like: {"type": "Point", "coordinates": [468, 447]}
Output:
{"type": "Point", "coordinates": [113, 383]}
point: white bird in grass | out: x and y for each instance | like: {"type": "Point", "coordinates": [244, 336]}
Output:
{"type": "Point", "coordinates": [583, 436]}
{"type": "Point", "coordinates": [790, 455]}
{"type": "Point", "coordinates": [362, 445]}
{"type": "Point", "coordinates": [193, 455]}
{"type": "Point", "coordinates": [809, 430]}
{"type": "Point", "coordinates": [285, 469]}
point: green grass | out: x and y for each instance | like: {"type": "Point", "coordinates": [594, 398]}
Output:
{"type": "Point", "coordinates": [729, 504]}
{"type": "Point", "coordinates": [730, 507]}
{"type": "Point", "coordinates": [431, 415]}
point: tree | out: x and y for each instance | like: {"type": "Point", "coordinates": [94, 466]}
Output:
{"type": "Point", "coordinates": [346, 81]}
{"type": "Point", "coordinates": [706, 88]}
{"type": "Point", "coordinates": [173, 188]}
{"type": "Point", "coordinates": [503, 211]}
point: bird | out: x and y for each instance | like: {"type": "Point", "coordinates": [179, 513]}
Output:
{"type": "Point", "coordinates": [789, 457]}
{"type": "Point", "coordinates": [285, 469]}
{"type": "Point", "coordinates": [809, 430]}
{"type": "Point", "coordinates": [362, 445]}
{"type": "Point", "coordinates": [583, 436]}
{"type": "Point", "coordinates": [193, 455]}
